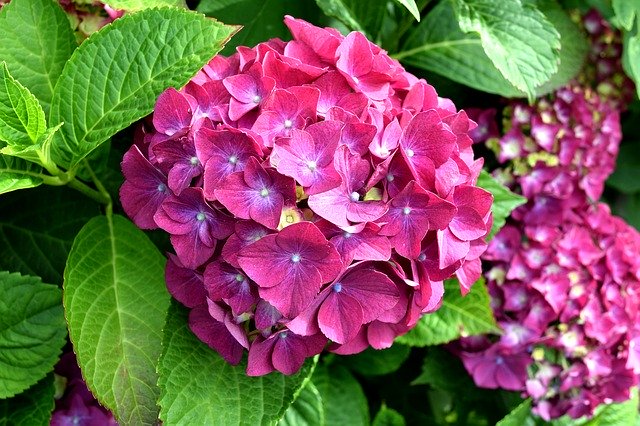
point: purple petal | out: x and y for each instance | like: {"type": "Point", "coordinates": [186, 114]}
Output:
{"type": "Point", "coordinates": [144, 189]}
{"type": "Point", "coordinates": [185, 284]}
{"type": "Point", "coordinates": [215, 334]}
{"type": "Point", "coordinates": [340, 317]}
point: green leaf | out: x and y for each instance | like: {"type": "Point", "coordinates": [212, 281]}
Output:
{"type": "Point", "coordinates": [116, 75]}
{"type": "Point", "coordinates": [30, 408]}
{"type": "Point", "coordinates": [265, 21]}
{"type": "Point", "coordinates": [39, 152]}
{"type": "Point", "coordinates": [504, 201]}
{"type": "Point", "coordinates": [626, 11]}
{"type": "Point", "coordinates": [574, 45]}
{"type": "Point", "coordinates": [388, 417]}
{"type": "Point", "coordinates": [22, 119]}
{"type": "Point", "coordinates": [444, 371]}
{"type": "Point", "coordinates": [372, 362]}
{"type": "Point", "coordinates": [32, 331]}
{"type": "Point", "coordinates": [37, 42]}
{"type": "Point", "coordinates": [306, 410]}
{"type": "Point", "coordinates": [631, 56]}
{"type": "Point", "coordinates": [457, 317]}
{"type": "Point", "coordinates": [116, 302]}
{"type": "Point", "coordinates": [343, 400]}
{"type": "Point", "coordinates": [200, 388]}
{"type": "Point", "coordinates": [412, 7]}
{"type": "Point", "coordinates": [519, 39]}
{"type": "Point", "coordinates": [134, 5]}
{"type": "Point", "coordinates": [617, 414]}
{"type": "Point", "coordinates": [520, 416]}
{"type": "Point", "coordinates": [624, 178]}
{"type": "Point", "coordinates": [38, 240]}
{"type": "Point", "coordinates": [357, 15]}
{"type": "Point", "coordinates": [439, 45]}
{"type": "Point", "coordinates": [16, 173]}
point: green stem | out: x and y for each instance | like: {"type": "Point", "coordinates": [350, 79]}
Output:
{"type": "Point", "coordinates": [90, 192]}
{"type": "Point", "coordinates": [102, 190]}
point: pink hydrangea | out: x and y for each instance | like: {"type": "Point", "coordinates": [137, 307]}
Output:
{"type": "Point", "coordinates": [563, 274]}
{"type": "Point", "coordinates": [316, 194]}
{"type": "Point", "coordinates": [567, 298]}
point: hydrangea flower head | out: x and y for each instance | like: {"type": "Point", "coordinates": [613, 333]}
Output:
{"type": "Point", "coordinates": [567, 301]}
{"type": "Point", "coordinates": [316, 195]}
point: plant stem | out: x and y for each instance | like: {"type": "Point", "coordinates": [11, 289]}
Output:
{"type": "Point", "coordinates": [90, 192]}
{"type": "Point", "coordinates": [102, 190]}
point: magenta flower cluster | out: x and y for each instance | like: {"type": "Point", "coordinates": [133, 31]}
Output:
{"type": "Point", "coordinates": [567, 298]}
{"type": "Point", "coordinates": [315, 193]}
{"type": "Point", "coordinates": [564, 273]}
{"type": "Point", "coordinates": [76, 405]}
{"type": "Point", "coordinates": [561, 148]}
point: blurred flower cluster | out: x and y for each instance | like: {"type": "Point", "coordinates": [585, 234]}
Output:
{"type": "Point", "coordinates": [85, 16]}
{"type": "Point", "coordinates": [564, 274]}
{"type": "Point", "coordinates": [315, 193]}
{"type": "Point", "coordinates": [76, 405]}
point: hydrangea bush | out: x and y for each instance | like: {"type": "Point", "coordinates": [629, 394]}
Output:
{"type": "Point", "coordinates": [314, 191]}
{"type": "Point", "coordinates": [563, 274]}
{"type": "Point", "coordinates": [303, 232]}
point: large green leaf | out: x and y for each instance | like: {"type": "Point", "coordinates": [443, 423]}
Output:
{"type": "Point", "coordinates": [133, 5]}
{"type": "Point", "coordinates": [38, 239]}
{"type": "Point", "coordinates": [306, 410]}
{"type": "Point", "coordinates": [388, 417]}
{"type": "Point", "coordinates": [30, 408]}
{"type": "Point", "coordinates": [343, 400]}
{"type": "Point", "coordinates": [439, 45]}
{"type": "Point", "coordinates": [372, 362]}
{"type": "Point", "coordinates": [624, 178]}
{"type": "Point", "coordinates": [518, 39]}
{"type": "Point", "coordinates": [457, 317]}
{"type": "Point", "coordinates": [265, 21]}
{"type": "Point", "coordinates": [504, 201]}
{"type": "Point", "coordinates": [412, 7]}
{"type": "Point", "coordinates": [32, 331]}
{"type": "Point", "coordinates": [519, 416]}
{"type": "Point", "coordinates": [37, 41]}
{"type": "Point", "coordinates": [574, 45]}
{"type": "Point", "coordinates": [200, 388]}
{"type": "Point", "coordinates": [626, 11]}
{"type": "Point", "coordinates": [116, 75]}
{"type": "Point", "coordinates": [22, 119]}
{"type": "Point", "coordinates": [16, 173]}
{"type": "Point", "coordinates": [357, 15]}
{"type": "Point", "coordinates": [116, 301]}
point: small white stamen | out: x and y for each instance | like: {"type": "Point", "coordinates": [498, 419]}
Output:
{"type": "Point", "coordinates": [390, 177]}
{"type": "Point", "coordinates": [201, 217]}
{"type": "Point", "coordinates": [288, 124]}
{"type": "Point", "coordinates": [264, 193]}
{"type": "Point", "coordinates": [410, 153]}
{"type": "Point", "coordinates": [162, 187]}
{"type": "Point", "coordinates": [355, 196]}
{"type": "Point", "coordinates": [312, 165]}
{"type": "Point", "coordinates": [296, 258]}
{"type": "Point", "coordinates": [233, 159]}
{"type": "Point", "coordinates": [194, 161]}
{"type": "Point", "coordinates": [256, 99]}
{"type": "Point", "coordinates": [406, 210]}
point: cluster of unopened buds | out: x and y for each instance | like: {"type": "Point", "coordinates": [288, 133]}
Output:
{"type": "Point", "coordinates": [316, 195]}
{"type": "Point", "coordinates": [564, 273]}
